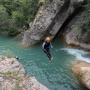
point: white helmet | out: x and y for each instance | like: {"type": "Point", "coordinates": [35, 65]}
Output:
{"type": "Point", "coordinates": [48, 39]}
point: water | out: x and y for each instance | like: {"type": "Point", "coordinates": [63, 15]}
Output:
{"type": "Point", "coordinates": [56, 75]}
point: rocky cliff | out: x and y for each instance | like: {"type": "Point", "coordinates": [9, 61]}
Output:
{"type": "Point", "coordinates": [50, 19]}
{"type": "Point", "coordinates": [13, 76]}
{"type": "Point", "coordinates": [78, 30]}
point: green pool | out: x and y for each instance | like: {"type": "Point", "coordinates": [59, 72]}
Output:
{"type": "Point", "coordinates": [56, 75]}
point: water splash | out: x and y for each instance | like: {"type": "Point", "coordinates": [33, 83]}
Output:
{"type": "Point", "coordinates": [79, 54]}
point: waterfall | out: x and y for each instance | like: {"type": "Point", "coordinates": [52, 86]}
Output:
{"type": "Point", "coordinates": [79, 54]}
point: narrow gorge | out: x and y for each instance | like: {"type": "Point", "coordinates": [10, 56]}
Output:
{"type": "Point", "coordinates": [24, 25]}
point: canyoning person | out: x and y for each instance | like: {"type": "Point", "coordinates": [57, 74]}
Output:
{"type": "Point", "coordinates": [46, 47]}
{"type": "Point", "coordinates": [17, 57]}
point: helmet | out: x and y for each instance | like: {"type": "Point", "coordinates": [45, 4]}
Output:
{"type": "Point", "coordinates": [48, 39]}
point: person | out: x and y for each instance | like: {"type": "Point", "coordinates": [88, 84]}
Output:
{"type": "Point", "coordinates": [46, 47]}
{"type": "Point", "coordinates": [17, 57]}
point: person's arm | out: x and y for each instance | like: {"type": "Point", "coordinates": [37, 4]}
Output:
{"type": "Point", "coordinates": [43, 45]}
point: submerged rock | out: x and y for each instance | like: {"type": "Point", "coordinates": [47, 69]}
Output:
{"type": "Point", "coordinates": [82, 70]}
{"type": "Point", "coordinates": [13, 76]}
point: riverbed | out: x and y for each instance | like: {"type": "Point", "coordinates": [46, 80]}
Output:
{"type": "Point", "coordinates": [56, 75]}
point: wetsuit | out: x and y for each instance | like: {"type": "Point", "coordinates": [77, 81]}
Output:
{"type": "Point", "coordinates": [46, 48]}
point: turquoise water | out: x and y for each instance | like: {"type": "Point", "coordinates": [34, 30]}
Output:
{"type": "Point", "coordinates": [56, 75]}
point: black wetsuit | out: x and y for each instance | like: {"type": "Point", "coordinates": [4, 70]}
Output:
{"type": "Point", "coordinates": [46, 48]}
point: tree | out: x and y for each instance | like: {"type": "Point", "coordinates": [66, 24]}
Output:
{"type": "Point", "coordinates": [3, 16]}
{"type": "Point", "coordinates": [15, 13]}
{"type": "Point", "coordinates": [18, 18]}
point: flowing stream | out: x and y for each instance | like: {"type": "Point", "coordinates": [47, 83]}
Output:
{"type": "Point", "coordinates": [56, 75]}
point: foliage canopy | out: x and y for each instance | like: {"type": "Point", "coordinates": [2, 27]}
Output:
{"type": "Point", "coordinates": [15, 13]}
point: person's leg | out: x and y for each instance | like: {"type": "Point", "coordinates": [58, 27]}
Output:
{"type": "Point", "coordinates": [49, 54]}
{"type": "Point", "coordinates": [47, 51]}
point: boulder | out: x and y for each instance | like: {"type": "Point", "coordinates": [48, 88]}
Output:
{"type": "Point", "coordinates": [13, 76]}
{"type": "Point", "coordinates": [74, 37]}
{"type": "Point", "coordinates": [82, 70]}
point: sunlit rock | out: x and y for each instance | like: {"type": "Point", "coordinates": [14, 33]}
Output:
{"type": "Point", "coordinates": [13, 76]}
{"type": "Point", "coordinates": [82, 70]}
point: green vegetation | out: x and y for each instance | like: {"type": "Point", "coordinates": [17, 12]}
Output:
{"type": "Point", "coordinates": [14, 14]}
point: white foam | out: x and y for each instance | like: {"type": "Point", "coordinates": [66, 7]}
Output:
{"type": "Point", "coordinates": [79, 54]}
